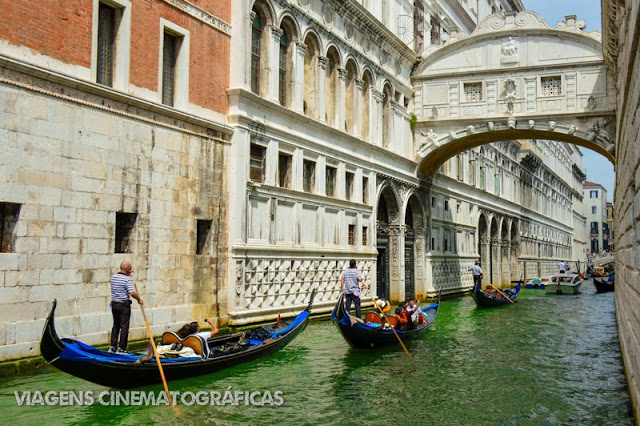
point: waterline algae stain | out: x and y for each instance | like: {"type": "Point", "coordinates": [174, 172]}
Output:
{"type": "Point", "coordinates": [546, 360]}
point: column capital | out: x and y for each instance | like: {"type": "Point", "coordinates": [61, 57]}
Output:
{"type": "Point", "coordinates": [322, 62]}
{"type": "Point", "coordinates": [378, 95]}
{"type": "Point", "coordinates": [343, 73]}
{"type": "Point", "coordinates": [301, 48]}
{"type": "Point", "coordinates": [252, 15]}
{"type": "Point", "coordinates": [276, 32]}
{"type": "Point", "coordinates": [360, 84]}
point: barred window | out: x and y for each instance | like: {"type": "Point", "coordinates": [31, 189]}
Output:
{"type": "Point", "coordinates": [352, 235]}
{"type": "Point", "coordinates": [551, 86]}
{"type": "Point", "coordinates": [169, 57]}
{"type": "Point", "coordinates": [435, 30]}
{"type": "Point", "coordinates": [472, 92]}
{"type": "Point", "coordinates": [365, 231]}
{"type": "Point", "coordinates": [106, 44]}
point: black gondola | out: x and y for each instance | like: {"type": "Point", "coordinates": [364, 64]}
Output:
{"type": "Point", "coordinates": [603, 285]}
{"type": "Point", "coordinates": [361, 334]}
{"type": "Point", "coordinates": [490, 300]}
{"type": "Point", "coordinates": [124, 371]}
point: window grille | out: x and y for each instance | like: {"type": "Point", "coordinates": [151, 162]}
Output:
{"type": "Point", "coordinates": [365, 230]}
{"type": "Point", "coordinates": [472, 92]}
{"type": "Point", "coordinates": [551, 86]}
{"type": "Point", "coordinates": [352, 235]}
{"type": "Point", "coordinates": [106, 43]}
{"type": "Point", "coordinates": [168, 68]}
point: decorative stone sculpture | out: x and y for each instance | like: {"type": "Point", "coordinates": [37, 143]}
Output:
{"type": "Point", "coordinates": [430, 137]}
{"type": "Point", "coordinates": [509, 51]}
{"type": "Point", "coordinates": [471, 130]}
{"type": "Point", "coordinates": [552, 125]}
{"type": "Point", "coordinates": [511, 123]}
{"type": "Point", "coordinates": [491, 126]}
{"type": "Point", "coordinates": [572, 129]}
{"type": "Point", "coordinates": [532, 124]}
{"type": "Point", "coordinates": [453, 135]}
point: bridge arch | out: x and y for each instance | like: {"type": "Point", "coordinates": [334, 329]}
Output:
{"type": "Point", "coordinates": [514, 77]}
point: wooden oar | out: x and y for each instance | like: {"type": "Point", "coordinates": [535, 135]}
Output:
{"type": "Point", "coordinates": [176, 409]}
{"type": "Point", "coordinates": [385, 317]}
{"type": "Point", "coordinates": [505, 296]}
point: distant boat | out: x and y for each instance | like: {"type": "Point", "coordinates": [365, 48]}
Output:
{"type": "Point", "coordinates": [490, 299]}
{"type": "Point", "coordinates": [604, 285]}
{"type": "Point", "coordinates": [377, 331]}
{"type": "Point", "coordinates": [564, 284]}
{"type": "Point", "coordinates": [537, 282]}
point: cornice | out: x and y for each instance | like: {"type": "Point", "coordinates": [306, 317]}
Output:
{"type": "Point", "coordinates": [201, 15]}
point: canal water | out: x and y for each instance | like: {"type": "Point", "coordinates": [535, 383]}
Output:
{"type": "Point", "coordinates": [547, 360]}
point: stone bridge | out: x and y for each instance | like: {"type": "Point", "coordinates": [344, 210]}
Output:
{"type": "Point", "coordinates": [513, 78]}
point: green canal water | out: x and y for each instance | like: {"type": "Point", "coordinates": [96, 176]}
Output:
{"type": "Point", "coordinates": [548, 360]}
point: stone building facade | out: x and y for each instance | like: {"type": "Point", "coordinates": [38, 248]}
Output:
{"type": "Point", "coordinates": [621, 34]}
{"type": "Point", "coordinates": [595, 201]}
{"type": "Point", "coordinates": [111, 149]}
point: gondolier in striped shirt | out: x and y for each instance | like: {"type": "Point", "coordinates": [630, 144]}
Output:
{"type": "Point", "coordinates": [121, 292]}
{"type": "Point", "coordinates": [476, 271]}
{"type": "Point", "coordinates": [349, 281]}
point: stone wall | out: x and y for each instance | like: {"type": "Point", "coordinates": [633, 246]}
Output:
{"type": "Point", "coordinates": [72, 160]}
{"type": "Point", "coordinates": [621, 37]}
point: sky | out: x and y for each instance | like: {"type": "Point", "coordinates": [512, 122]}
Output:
{"type": "Point", "coordinates": [598, 168]}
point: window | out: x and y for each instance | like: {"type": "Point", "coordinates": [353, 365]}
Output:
{"type": "Point", "coordinates": [284, 170]}
{"type": "Point", "coordinates": [446, 241]}
{"type": "Point", "coordinates": [433, 201]}
{"type": "Point", "coordinates": [168, 68]}
{"type": "Point", "coordinates": [435, 30]}
{"type": "Point", "coordinates": [106, 44]}
{"type": "Point", "coordinates": [497, 183]}
{"type": "Point", "coordinates": [460, 168]}
{"type": "Point", "coordinates": [594, 209]}
{"type": "Point", "coordinates": [352, 235]}
{"type": "Point", "coordinates": [256, 163]}
{"type": "Point", "coordinates": [458, 208]}
{"type": "Point", "coordinates": [331, 181]}
{"type": "Point", "coordinates": [472, 92]}
{"type": "Point", "coordinates": [348, 190]}
{"type": "Point", "coordinates": [282, 75]}
{"type": "Point", "coordinates": [256, 36]}
{"type": "Point", "coordinates": [365, 190]}
{"type": "Point", "coordinates": [124, 230]}
{"type": "Point", "coordinates": [9, 213]}
{"type": "Point", "coordinates": [594, 227]}
{"type": "Point", "coordinates": [433, 243]}
{"type": "Point", "coordinates": [483, 183]}
{"type": "Point", "coordinates": [446, 205]}
{"type": "Point", "coordinates": [308, 175]}
{"type": "Point", "coordinates": [365, 231]}
{"type": "Point", "coordinates": [551, 86]}
{"type": "Point", "coordinates": [203, 227]}
{"type": "Point", "coordinates": [593, 194]}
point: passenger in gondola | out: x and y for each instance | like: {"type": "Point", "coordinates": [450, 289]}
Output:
{"type": "Point", "coordinates": [190, 329]}
{"type": "Point", "coordinates": [403, 318]}
{"type": "Point", "coordinates": [414, 311]}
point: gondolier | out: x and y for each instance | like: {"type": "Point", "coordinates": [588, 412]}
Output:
{"type": "Point", "coordinates": [349, 280]}
{"type": "Point", "coordinates": [476, 271]}
{"type": "Point", "coordinates": [121, 290]}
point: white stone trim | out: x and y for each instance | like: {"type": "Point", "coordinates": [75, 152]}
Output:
{"type": "Point", "coordinates": [181, 99]}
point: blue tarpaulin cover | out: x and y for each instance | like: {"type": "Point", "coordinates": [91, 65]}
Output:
{"type": "Point", "coordinates": [75, 350]}
{"type": "Point", "coordinates": [296, 322]}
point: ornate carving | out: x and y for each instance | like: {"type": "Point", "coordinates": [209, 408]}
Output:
{"type": "Point", "coordinates": [322, 62]}
{"type": "Point", "coordinates": [471, 130]}
{"type": "Point", "coordinates": [552, 125]}
{"type": "Point", "coordinates": [430, 137]}
{"type": "Point", "coordinates": [532, 124]}
{"type": "Point", "coordinates": [510, 88]}
{"type": "Point", "coordinates": [453, 135]}
{"type": "Point", "coordinates": [301, 48]}
{"type": "Point", "coordinates": [510, 47]}
{"type": "Point", "coordinates": [276, 33]}
{"type": "Point", "coordinates": [434, 112]}
{"type": "Point", "coordinates": [591, 102]}
{"type": "Point", "coordinates": [327, 14]}
{"type": "Point", "coordinates": [572, 129]}
{"type": "Point", "coordinates": [342, 74]}
{"type": "Point", "coordinates": [511, 123]}
{"type": "Point", "coordinates": [491, 125]}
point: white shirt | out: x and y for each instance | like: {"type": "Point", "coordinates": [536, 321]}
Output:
{"type": "Point", "coordinates": [475, 270]}
{"type": "Point", "coordinates": [561, 266]}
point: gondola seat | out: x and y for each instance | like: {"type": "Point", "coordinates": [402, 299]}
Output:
{"type": "Point", "coordinates": [193, 341]}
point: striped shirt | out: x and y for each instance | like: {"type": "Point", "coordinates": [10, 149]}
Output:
{"type": "Point", "coordinates": [121, 286]}
{"type": "Point", "coordinates": [351, 277]}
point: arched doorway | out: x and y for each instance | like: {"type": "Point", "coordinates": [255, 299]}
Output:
{"type": "Point", "coordinates": [386, 215]}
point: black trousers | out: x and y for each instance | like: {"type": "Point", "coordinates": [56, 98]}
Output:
{"type": "Point", "coordinates": [121, 314]}
{"type": "Point", "coordinates": [477, 282]}
{"type": "Point", "coordinates": [356, 301]}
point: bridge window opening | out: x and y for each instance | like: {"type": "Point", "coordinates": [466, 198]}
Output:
{"type": "Point", "coordinates": [433, 243]}
{"type": "Point", "coordinates": [284, 170]}
{"type": "Point", "coordinates": [309, 175]}
{"type": "Point", "coordinates": [9, 213]}
{"type": "Point", "coordinates": [330, 181]}
{"type": "Point", "coordinates": [433, 201]}
{"type": "Point", "coordinates": [460, 167]}
{"type": "Point", "coordinates": [551, 86]}
{"type": "Point", "coordinates": [256, 163]}
{"type": "Point", "coordinates": [472, 92]}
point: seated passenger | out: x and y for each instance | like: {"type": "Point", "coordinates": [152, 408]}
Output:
{"type": "Point", "coordinates": [414, 311]}
{"type": "Point", "coordinates": [194, 328]}
{"type": "Point", "coordinates": [403, 317]}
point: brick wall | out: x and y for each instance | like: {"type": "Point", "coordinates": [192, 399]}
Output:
{"type": "Point", "coordinates": [627, 193]}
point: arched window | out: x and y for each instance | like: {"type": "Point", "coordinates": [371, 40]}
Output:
{"type": "Point", "coordinates": [257, 27]}
{"type": "Point", "coordinates": [366, 91]}
{"type": "Point", "coordinates": [350, 104]}
{"type": "Point", "coordinates": [283, 89]}
{"type": "Point", "coordinates": [310, 95]}
{"type": "Point", "coordinates": [387, 116]}
{"type": "Point", "coordinates": [331, 86]}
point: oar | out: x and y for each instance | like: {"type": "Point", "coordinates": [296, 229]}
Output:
{"type": "Point", "coordinates": [176, 409]}
{"type": "Point", "coordinates": [385, 317]}
{"type": "Point", "coordinates": [505, 296]}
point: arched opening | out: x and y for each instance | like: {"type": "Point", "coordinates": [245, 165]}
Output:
{"type": "Point", "coordinates": [366, 105]}
{"type": "Point", "coordinates": [505, 266]}
{"type": "Point", "coordinates": [351, 111]}
{"type": "Point", "coordinates": [387, 211]}
{"type": "Point", "coordinates": [413, 225]}
{"type": "Point", "coordinates": [494, 233]}
{"type": "Point", "coordinates": [515, 252]}
{"type": "Point", "coordinates": [484, 245]}
{"type": "Point", "coordinates": [310, 95]}
{"type": "Point", "coordinates": [285, 63]}
{"type": "Point", "coordinates": [387, 116]}
{"type": "Point", "coordinates": [331, 86]}
{"type": "Point", "coordinates": [259, 42]}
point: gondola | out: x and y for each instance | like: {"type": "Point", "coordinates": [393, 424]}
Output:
{"type": "Point", "coordinates": [124, 371]}
{"type": "Point", "coordinates": [364, 334]}
{"type": "Point", "coordinates": [603, 285]}
{"type": "Point", "coordinates": [490, 300]}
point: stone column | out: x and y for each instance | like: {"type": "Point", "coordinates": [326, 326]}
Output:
{"type": "Point", "coordinates": [495, 254]}
{"type": "Point", "coordinates": [485, 263]}
{"type": "Point", "coordinates": [320, 84]}
{"type": "Point", "coordinates": [357, 108]}
{"type": "Point", "coordinates": [341, 99]}
{"type": "Point", "coordinates": [274, 63]}
{"type": "Point", "coordinates": [419, 252]}
{"type": "Point", "coordinates": [375, 118]}
{"type": "Point", "coordinates": [297, 95]}
{"type": "Point", "coordinates": [513, 258]}
{"type": "Point", "coordinates": [506, 265]}
{"type": "Point", "coordinates": [396, 262]}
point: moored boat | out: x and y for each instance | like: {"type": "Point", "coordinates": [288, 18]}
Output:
{"type": "Point", "coordinates": [537, 283]}
{"type": "Point", "coordinates": [370, 334]}
{"type": "Point", "coordinates": [604, 285]}
{"type": "Point", "coordinates": [490, 299]}
{"type": "Point", "coordinates": [564, 284]}
{"type": "Point", "coordinates": [125, 371]}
